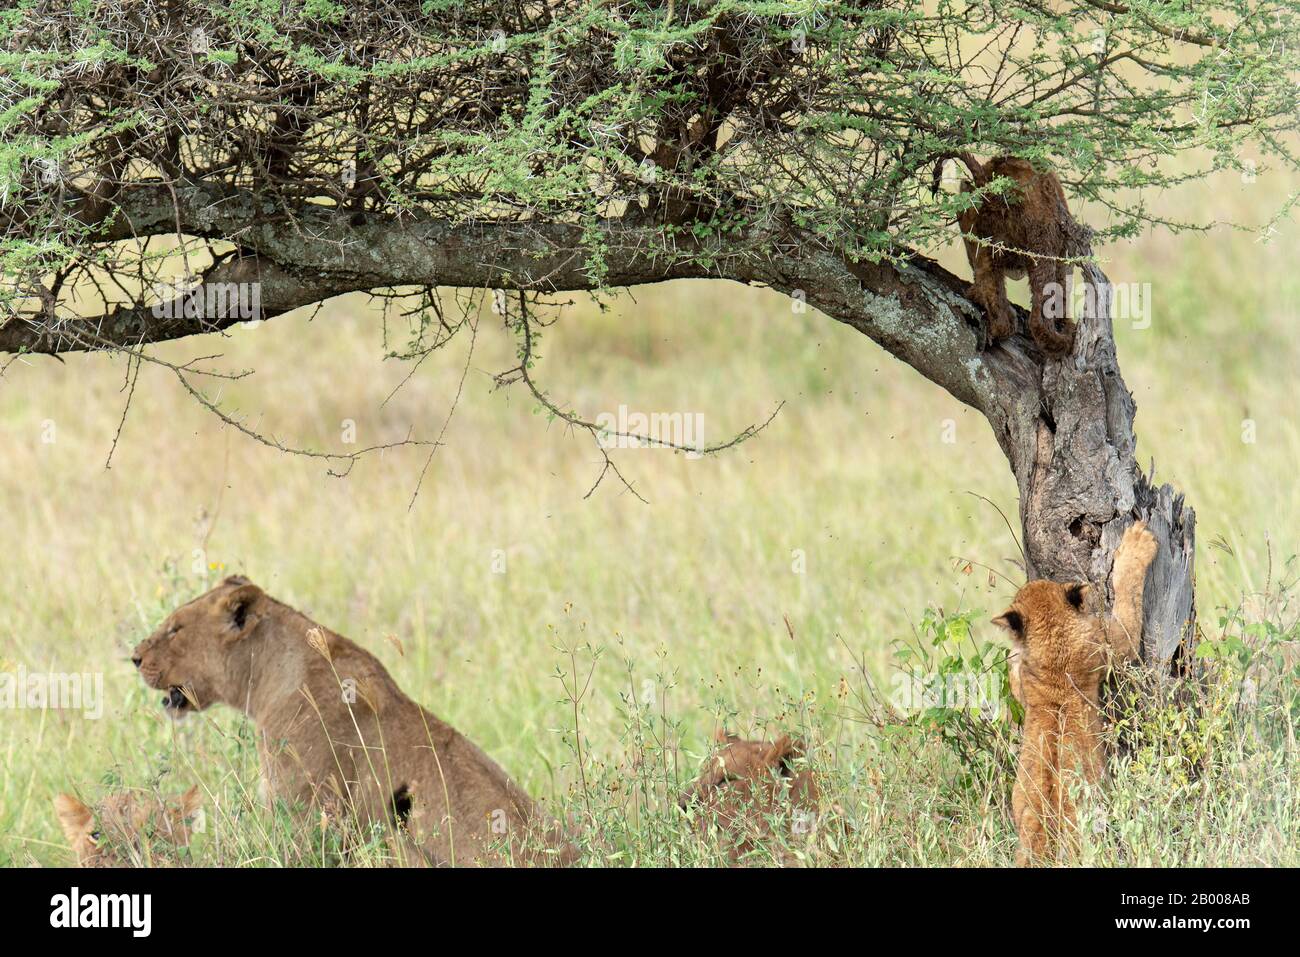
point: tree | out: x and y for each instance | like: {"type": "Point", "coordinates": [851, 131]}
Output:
{"type": "Point", "coordinates": [310, 148]}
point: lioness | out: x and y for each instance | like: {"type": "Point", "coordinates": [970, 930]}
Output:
{"type": "Point", "coordinates": [746, 785]}
{"type": "Point", "coordinates": [127, 829]}
{"type": "Point", "coordinates": [336, 731]}
{"type": "Point", "coordinates": [1060, 653]}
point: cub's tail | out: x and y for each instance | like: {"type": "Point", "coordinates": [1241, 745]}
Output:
{"type": "Point", "coordinates": [979, 176]}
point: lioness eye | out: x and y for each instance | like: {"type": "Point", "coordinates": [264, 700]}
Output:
{"type": "Point", "coordinates": [95, 836]}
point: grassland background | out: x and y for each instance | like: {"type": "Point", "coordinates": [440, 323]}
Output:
{"type": "Point", "coordinates": [694, 587]}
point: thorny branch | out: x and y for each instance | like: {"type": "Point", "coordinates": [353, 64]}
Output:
{"type": "Point", "coordinates": [386, 145]}
{"type": "Point", "coordinates": [523, 327]}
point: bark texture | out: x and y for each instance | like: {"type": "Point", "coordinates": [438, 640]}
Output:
{"type": "Point", "coordinates": [1070, 441]}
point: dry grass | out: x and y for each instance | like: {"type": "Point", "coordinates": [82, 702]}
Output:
{"type": "Point", "coordinates": [688, 596]}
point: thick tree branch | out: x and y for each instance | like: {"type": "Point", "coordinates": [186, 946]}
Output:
{"type": "Point", "coordinates": [915, 312]}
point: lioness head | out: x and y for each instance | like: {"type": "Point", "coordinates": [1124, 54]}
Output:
{"type": "Point", "coordinates": [127, 829]}
{"type": "Point", "coordinates": [189, 655]}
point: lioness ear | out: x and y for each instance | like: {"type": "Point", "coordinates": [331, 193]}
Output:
{"type": "Point", "coordinates": [239, 605]}
{"type": "Point", "coordinates": [74, 817]}
{"type": "Point", "coordinates": [1011, 621]}
{"type": "Point", "coordinates": [1075, 594]}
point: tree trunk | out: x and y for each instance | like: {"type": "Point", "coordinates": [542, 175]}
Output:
{"type": "Point", "coordinates": [1071, 447]}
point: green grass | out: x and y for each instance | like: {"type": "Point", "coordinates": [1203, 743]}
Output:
{"type": "Point", "coordinates": [687, 598]}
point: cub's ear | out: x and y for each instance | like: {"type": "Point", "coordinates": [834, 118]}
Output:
{"type": "Point", "coordinates": [235, 580]}
{"type": "Point", "coordinates": [74, 817]}
{"type": "Point", "coordinates": [1076, 593]}
{"type": "Point", "coordinates": [190, 802]}
{"type": "Point", "coordinates": [240, 606]}
{"type": "Point", "coordinates": [1012, 622]}
{"type": "Point", "coordinates": [782, 754]}
{"type": "Point", "coordinates": [779, 751]}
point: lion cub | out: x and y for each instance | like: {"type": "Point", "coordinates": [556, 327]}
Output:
{"type": "Point", "coordinates": [335, 730]}
{"type": "Point", "coordinates": [1060, 654]}
{"type": "Point", "coordinates": [1027, 231]}
{"type": "Point", "coordinates": [125, 830]}
{"type": "Point", "coordinates": [745, 785]}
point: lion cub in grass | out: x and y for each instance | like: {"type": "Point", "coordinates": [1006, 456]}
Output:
{"type": "Point", "coordinates": [335, 731]}
{"type": "Point", "coordinates": [126, 830]}
{"type": "Point", "coordinates": [1060, 654]}
{"type": "Point", "coordinates": [747, 784]}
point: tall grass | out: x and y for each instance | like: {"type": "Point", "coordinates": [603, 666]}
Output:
{"type": "Point", "coordinates": [758, 590]}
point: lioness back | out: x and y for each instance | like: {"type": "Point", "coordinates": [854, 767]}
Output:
{"type": "Point", "coordinates": [336, 731]}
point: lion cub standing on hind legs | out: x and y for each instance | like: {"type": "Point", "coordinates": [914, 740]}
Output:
{"type": "Point", "coordinates": [1060, 653]}
{"type": "Point", "coordinates": [334, 730]}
